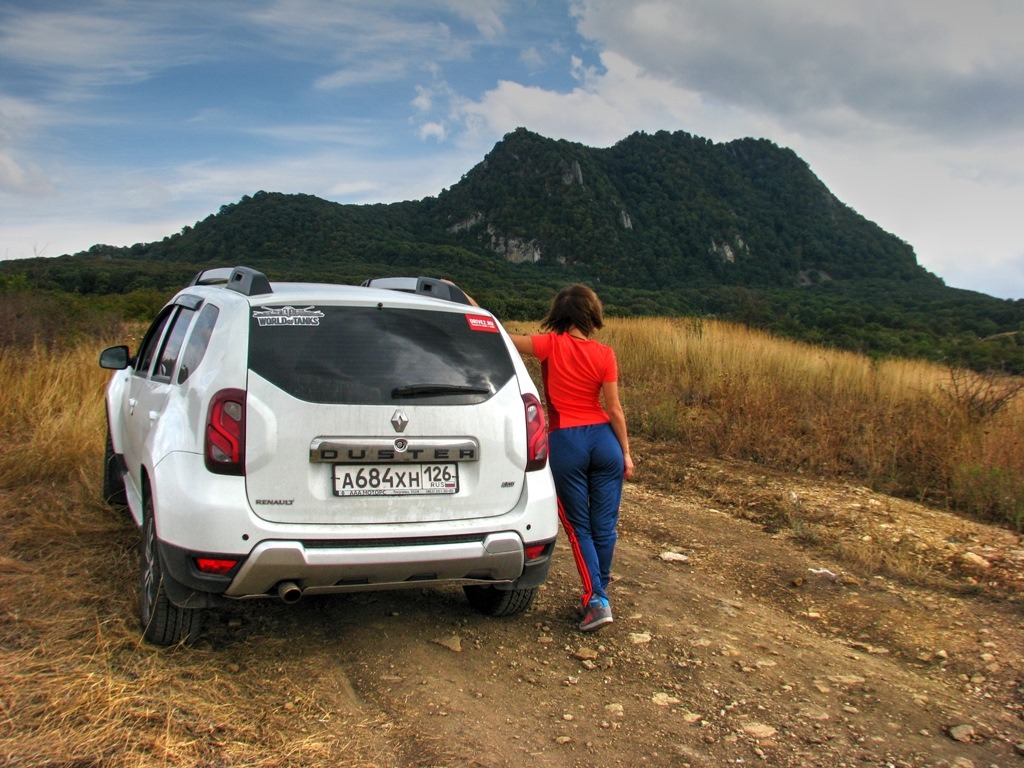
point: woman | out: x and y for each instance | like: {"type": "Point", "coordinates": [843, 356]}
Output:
{"type": "Point", "coordinates": [589, 446]}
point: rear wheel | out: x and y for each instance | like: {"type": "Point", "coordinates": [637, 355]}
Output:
{"type": "Point", "coordinates": [492, 601]}
{"type": "Point", "coordinates": [113, 481]}
{"type": "Point", "coordinates": [163, 623]}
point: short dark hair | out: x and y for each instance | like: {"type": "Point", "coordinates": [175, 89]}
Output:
{"type": "Point", "coordinates": [576, 305]}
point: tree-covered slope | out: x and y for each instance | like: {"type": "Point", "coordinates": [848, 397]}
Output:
{"type": "Point", "coordinates": [671, 211]}
{"type": "Point", "coordinates": [667, 223]}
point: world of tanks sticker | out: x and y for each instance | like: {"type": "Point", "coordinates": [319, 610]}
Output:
{"type": "Point", "coordinates": [277, 316]}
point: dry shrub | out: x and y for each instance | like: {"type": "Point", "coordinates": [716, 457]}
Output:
{"type": "Point", "coordinates": [987, 475]}
{"type": "Point", "coordinates": [52, 319]}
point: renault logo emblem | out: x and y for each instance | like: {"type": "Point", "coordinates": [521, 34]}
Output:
{"type": "Point", "coordinates": [399, 421]}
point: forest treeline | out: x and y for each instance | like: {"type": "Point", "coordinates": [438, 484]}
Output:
{"type": "Point", "coordinates": [664, 224]}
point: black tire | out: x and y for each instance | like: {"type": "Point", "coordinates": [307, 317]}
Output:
{"type": "Point", "coordinates": [114, 492]}
{"type": "Point", "coordinates": [163, 623]}
{"type": "Point", "coordinates": [492, 601]}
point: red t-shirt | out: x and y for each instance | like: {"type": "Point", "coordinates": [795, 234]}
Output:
{"type": "Point", "coordinates": [573, 371]}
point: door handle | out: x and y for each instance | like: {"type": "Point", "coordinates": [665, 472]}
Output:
{"type": "Point", "coordinates": [153, 415]}
{"type": "Point", "coordinates": [131, 406]}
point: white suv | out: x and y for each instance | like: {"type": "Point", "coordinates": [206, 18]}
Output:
{"type": "Point", "coordinates": [275, 440]}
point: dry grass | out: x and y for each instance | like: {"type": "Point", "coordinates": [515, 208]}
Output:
{"type": "Point", "coordinates": [905, 427]}
{"type": "Point", "coordinates": [77, 686]}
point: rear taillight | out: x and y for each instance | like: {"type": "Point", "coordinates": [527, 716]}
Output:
{"type": "Point", "coordinates": [533, 551]}
{"type": "Point", "coordinates": [225, 433]}
{"type": "Point", "coordinates": [536, 434]}
{"type": "Point", "coordinates": [214, 565]}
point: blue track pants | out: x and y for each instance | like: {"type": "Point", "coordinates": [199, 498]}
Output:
{"type": "Point", "coordinates": [587, 466]}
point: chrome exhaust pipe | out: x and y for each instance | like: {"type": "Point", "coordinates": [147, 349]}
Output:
{"type": "Point", "coordinates": [289, 592]}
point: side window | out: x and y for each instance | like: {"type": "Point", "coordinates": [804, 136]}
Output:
{"type": "Point", "coordinates": [172, 345]}
{"type": "Point", "coordinates": [198, 342]}
{"type": "Point", "coordinates": [147, 350]}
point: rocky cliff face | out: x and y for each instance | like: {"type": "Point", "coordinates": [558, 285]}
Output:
{"type": "Point", "coordinates": [515, 249]}
{"type": "Point", "coordinates": [572, 173]}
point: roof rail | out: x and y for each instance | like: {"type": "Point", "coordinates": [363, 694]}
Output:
{"type": "Point", "coordinates": [424, 286]}
{"type": "Point", "coordinates": [244, 280]}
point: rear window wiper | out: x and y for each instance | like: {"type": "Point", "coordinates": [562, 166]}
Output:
{"type": "Point", "coordinates": [432, 390]}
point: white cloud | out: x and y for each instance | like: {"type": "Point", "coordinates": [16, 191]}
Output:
{"type": "Point", "coordinates": [356, 31]}
{"type": "Point", "coordinates": [360, 137]}
{"type": "Point", "coordinates": [17, 118]}
{"type": "Point", "coordinates": [582, 115]}
{"type": "Point", "coordinates": [532, 58]}
{"type": "Point", "coordinates": [82, 51]}
{"type": "Point", "coordinates": [943, 68]}
{"type": "Point", "coordinates": [70, 40]}
{"type": "Point", "coordinates": [352, 189]}
{"type": "Point", "coordinates": [605, 108]}
{"type": "Point", "coordinates": [960, 223]}
{"type": "Point", "coordinates": [23, 179]}
{"type": "Point", "coordinates": [485, 15]}
{"type": "Point", "coordinates": [424, 98]}
{"type": "Point", "coordinates": [433, 131]}
{"type": "Point", "coordinates": [379, 72]}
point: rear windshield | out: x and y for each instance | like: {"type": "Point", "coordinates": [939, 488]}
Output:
{"type": "Point", "coordinates": [371, 356]}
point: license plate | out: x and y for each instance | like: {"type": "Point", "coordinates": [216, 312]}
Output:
{"type": "Point", "coordinates": [395, 479]}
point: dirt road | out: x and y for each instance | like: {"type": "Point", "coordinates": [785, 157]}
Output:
{"type": "Point", "coordinates": [759, 620]}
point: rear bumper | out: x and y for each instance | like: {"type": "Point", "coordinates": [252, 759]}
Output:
{"type": "Point", "coordinates": [323, 567]}
{"type": "Point", "coordinates": [322, 559]}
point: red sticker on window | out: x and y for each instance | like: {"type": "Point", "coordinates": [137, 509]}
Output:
{"type": "Point", "coordinates": [478, 323]}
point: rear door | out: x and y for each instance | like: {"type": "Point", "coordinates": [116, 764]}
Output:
{"type": "Point", "coordinates": [133, 416]}
{"type": "Point", "coordinates": [381, 415]}
{"type": "Point", "coordinates": [152, 382]}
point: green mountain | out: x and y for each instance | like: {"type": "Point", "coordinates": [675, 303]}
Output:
{"type": "Point", "coordinates": [667, 223]}
{"type": "Point", "coordinates": [670, 211]}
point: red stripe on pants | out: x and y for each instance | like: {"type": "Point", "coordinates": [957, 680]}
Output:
{"type": "Point", "coordinates": [577, 555]}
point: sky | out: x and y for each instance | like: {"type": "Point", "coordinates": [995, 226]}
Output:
{"type": "Point", "coordinates": [123, 121]}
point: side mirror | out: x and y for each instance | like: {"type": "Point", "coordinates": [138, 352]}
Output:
{"type": "Point", "coordinates": [115, 358]}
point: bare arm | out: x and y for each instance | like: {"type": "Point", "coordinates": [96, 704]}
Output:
{"type": "Point", "coordinates": [524, 344]}
{"type": "Point", "coordinates": [612, 406]}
